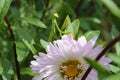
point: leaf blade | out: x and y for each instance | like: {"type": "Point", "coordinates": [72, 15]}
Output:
{"type": "Point", "coordinates": [35, 22]}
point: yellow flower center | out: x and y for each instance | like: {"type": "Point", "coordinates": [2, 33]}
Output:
{"type": "Point", "coordinates": [71, 69]}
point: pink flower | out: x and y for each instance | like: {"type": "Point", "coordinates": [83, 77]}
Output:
{"type": "Point", "coordinates": [65, 59]}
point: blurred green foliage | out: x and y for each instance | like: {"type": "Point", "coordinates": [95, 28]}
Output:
{"type": "Point", "coordinates": [36, 22]}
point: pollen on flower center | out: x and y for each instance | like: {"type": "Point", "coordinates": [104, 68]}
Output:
{"type": "Point", "coordinates": [71, 69]}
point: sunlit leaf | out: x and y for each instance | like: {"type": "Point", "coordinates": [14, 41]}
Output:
{"type": "Point", "coordinates": [1, 4]}
{"type": "Point", "coordinates": [114, 58]}
{"type": "Point", "coordinates": [112, 7]}
{"type": "Point", "coordinates": [66, 22]}
{"type": "Point", "coordinates": [4, 6]}
{"type": "Point", "coordinates": [91, 34]}
{"type": "Point", "coordinates": [114, 69]}
{"type": "Point", "coordinates": [44, 43]}
{"type": "Point", "coordinates": [35, 22]}
{"type": "Point", "coordinates": [73, 27]}
{"type": "Point", "coordinates": [30, 46]}
{"type": "Point", "coordinates": [76, 25]}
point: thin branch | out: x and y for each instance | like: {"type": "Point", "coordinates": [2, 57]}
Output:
{"type": "Point", "coordinates": [112, 43]}
{"type": "Point", "coordinates": [45, 10]}
{"type": "Point", "coordinates": [14, 47]}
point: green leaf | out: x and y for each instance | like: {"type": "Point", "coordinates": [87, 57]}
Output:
{"type": "Point", "coordinates": [69, 29]}
{"type": "Point", "coordinates": [114, 68]}
{"type": "Point", "coordinates": [24, 34]}
{"type": "Point", "coordinates": [73, 27]}
{"type": "Point", "coordinates": [114, 58]}
{"type": "Point", "coordinates": [35, 22]}
{"type": "Point", "coordinates": [113, 77]}
{"type": "Point", "coordinates": [96, 65]}
{"type": "Point", "coordinates": [38, 47]}
{"type": "Point", "coordinates": [91, 34]}
{"type": "Point", "coordinates": [102, 72]}
{"type": "Point", "coordinates": [44, 43]}
{"type": "Point", "coordinates": [26, 71]}
{"type": "Point", "coordinates": [22, 51]}
{"type": "Point", "coordinates": [1, 67]}
{"type": "Point", "coordinates": [114, 32]}
{"type": "Point", "coordinates": [112, 7]}
{"type": "Point", "coordinates": [85, 25]}
{"type": "Point", "coordinates": [26, 38]}
{"type": "Point", "coordinates": [4, 6]}
{"type": "Point", "coordinates": [66, 22]}
{"type": "Point", "coordinates": [1, 4]}
{"type": "Point", "coordinates": [91, 19]}
{"type": "Point", "coordinates": [117, 47]}
{"type": "Point", "coordinates": [6, 75]}
{"type": "Point", "coordinates": [30, 46]}
{"type": "Point", "coordinates": [95, 20]}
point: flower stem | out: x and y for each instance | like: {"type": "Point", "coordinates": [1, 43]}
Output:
{"type": "Point", "coordinates": [14, 47]}
{"type": "Point", "coordinates": [112, 43]}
